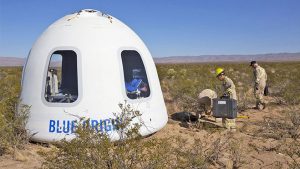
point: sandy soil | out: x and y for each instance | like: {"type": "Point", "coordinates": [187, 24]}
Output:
{"type": "Point", "coordinates": [28, 158]}
{"type": "Point", "coordinates": [257, 152]}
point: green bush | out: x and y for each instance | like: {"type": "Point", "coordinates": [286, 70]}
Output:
{"type": "Point", "coordinates": [91, 149]}
{"type": "Point", "coordinates": [181, 83]}
{"type": "Point", "coordinates": [181, 80]}
{"type": "Point", "coordinates": [12, 123]}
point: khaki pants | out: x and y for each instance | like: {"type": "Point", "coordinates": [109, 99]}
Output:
{"type": "Point", "coordinates": [259, 93]}
{"type": "Point", "coordinates": [229, 123]}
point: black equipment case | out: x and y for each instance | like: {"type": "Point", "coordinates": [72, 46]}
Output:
{"type": "Point", "coordinates": [225, 108]}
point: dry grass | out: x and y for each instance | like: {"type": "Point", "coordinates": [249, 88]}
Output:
{"type": "Point", "coordinates": [181, 85]}
{"type": "Point", "coordinates": [283, 80]}
{"type": "Point", "coordinates": [12, 124]}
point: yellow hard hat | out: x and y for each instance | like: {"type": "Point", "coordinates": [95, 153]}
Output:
{"type": "Point", "coordinates": [219, 71]}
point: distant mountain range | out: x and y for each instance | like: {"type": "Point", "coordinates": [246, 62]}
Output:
{"type": "Point", "coordinates": [11, 61]}
{"type": "Point", "coordinates": [273, 57]}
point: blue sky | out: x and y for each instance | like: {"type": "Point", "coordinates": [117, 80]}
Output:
{"type": "Point", "coordinates": [168, 27]}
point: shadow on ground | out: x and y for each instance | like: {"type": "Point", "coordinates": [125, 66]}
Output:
{"type": "Point", "coordinates": [189, 120]}
{"type": "Point", "coordinates": [184, 117]}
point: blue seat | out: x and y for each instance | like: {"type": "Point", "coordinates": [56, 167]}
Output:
{"type": "Point", "coordinates": [133, 85]}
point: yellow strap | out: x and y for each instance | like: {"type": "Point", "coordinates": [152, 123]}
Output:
{"type": "Point", "coordinates": [243, 117]}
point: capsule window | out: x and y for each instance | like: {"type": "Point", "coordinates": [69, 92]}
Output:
{"type": "Point", "coordinates": [136, 81]}
{"type": "Point", "coordinates": [62, 77]}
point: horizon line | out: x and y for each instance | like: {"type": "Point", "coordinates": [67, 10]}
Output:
{"type": "Point", "coordinates": [191, 55]}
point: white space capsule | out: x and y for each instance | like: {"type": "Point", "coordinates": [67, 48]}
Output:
{"type": "Point", "coordinates": [84, 65]}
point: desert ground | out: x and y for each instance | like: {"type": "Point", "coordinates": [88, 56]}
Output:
{"type": "Point", "coordinates": [266, 138]}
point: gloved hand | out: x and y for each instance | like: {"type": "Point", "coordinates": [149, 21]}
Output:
{"type": "Point", "coordinates": [225, 96]}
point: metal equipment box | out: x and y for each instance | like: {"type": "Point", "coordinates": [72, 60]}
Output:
{"type": "Point", "coordinates": [225, 108]}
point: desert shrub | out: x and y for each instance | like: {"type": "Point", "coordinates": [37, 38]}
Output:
{"type": "Point", "coordinates": [185, 81]}
{"type": "Point", "coordinates": [205, 154]}
{"type": "Point", "coordinates": [91, 149]}
{"type": "Point", "coordinates": [180, 80]}
{"type": "Point", "coordinates": [273, 128]}
{"type": "Point", "coordinates": [287, 126]}
{"type": "Point", "coordinates": [236, 155]}
{"type": "Point", "coordinates": [190, 104]}
{"type": "Point", "coordinates": [12, 131]}
{"type": "Point", "coordinates": [284, 131]}
{"type": "Point", "coordinates": [291, 93]}
{"type": "Point", "coordinates": [292, 149]}
{"type": "Point", "coordinates": [198, 155]}
{"type": "Point", "coordinates": [171, 73]}
{"type": "Point", "coordinates": [12, 123]}
{"type": "Point", "coordinates": [284, 81]}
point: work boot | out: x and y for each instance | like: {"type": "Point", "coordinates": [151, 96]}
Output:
{"type": "Point", "coordinates": [230, 124]}
{"type": "Point", "coordinates": [256, 106]}
{"type": "Point", "coordinates": [259, 106]}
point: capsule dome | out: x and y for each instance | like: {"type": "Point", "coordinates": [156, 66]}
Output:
{"type": "Point", "coordinates": [84, 65]}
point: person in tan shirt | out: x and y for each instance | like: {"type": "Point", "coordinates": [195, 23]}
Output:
{"type": "Point", "coordinates": [260, 80]}
{"type": "Point", "coordinates": [205, 100]}
{"type": "Point", "coordinates": [228, 90]}
{"type": "Point", "coordinates": [228, 87]}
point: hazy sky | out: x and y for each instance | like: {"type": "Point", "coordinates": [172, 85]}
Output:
{"type": "Point", "coordinates": [168, 27]}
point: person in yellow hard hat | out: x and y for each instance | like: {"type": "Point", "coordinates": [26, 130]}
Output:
{"type": "Point", "coordinates": [228, 91]}
{"type": "Point", "coordinates": [228, 87]}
